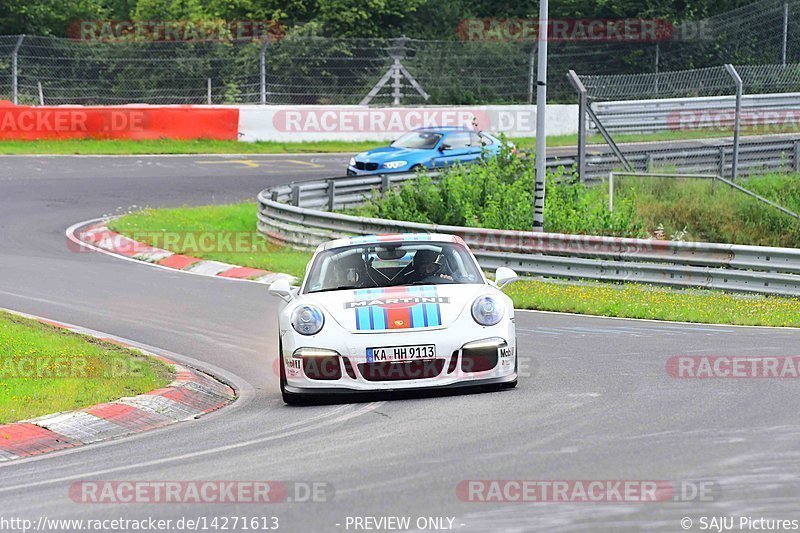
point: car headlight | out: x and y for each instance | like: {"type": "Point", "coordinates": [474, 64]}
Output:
{"type": "Point", "coordinates": [487, 311]}
{"type": "Point", "coordinates": [395, 164]}
{"type": "Point", "coordinates": [307, 320]}
{"type": "Point", "coordinates": [352, 161]}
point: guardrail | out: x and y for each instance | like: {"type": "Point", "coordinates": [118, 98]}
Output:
{"type": "Point", "coordinates": [774, 153]}
{"type": "Point", "coordinates": [298, 215]}
{"type": "Point", "coordinates": [671, 114]}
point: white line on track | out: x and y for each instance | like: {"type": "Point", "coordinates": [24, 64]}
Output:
{"type": "Point", "coordinates": [368, 408]}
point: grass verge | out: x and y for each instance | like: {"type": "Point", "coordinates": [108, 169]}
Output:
{"type": "Point", "coordinates": [208, 146]}
{"type": "Point", "coordinates": [179, 230]}
{"type": "Point", "coordinates": [631, 300]}
{"type": "Point", "coordinates": [170, 146]}
{"type": "Point", "coordinates": [44, 369]}
{"type": "Point", "coordinates": [616, 300]}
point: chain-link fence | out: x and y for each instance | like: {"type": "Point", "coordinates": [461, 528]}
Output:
{"type": "Point", "coordinates": [707, 113]}
{"type": "Point", "coordinates": [299, 70]}
{"type": "Point", "coordinates": [312, 70]}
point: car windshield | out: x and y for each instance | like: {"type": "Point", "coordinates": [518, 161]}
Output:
{"type": "Point", "coordinates": [422, 140]}
{"type": "Point", "coordinates": [390, 265]}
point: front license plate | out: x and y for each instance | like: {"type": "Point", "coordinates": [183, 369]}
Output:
{"type": "Point", "coordinates": [401, 353]}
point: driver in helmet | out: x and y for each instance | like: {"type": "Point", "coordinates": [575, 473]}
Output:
{"type": "Point", "coordinates": [429, 266]}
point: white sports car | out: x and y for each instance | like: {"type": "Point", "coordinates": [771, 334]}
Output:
{"type": "Point", "coordinates": [394, 312]}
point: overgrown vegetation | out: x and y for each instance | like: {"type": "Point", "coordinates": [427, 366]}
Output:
{"type": "Point", "coordinates": [499, 194]}
{"type": "Point", "coordinates": [686, 209]}
{"type": "Point", "coordinates": [346, 18]}
{"type": "Point", "coordinates": [455, 63]}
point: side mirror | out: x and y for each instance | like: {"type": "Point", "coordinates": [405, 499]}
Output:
{"type": "Point", "coordinates": [504, 276]}
{"type": "Point", "coordinates": [444, 147]}
{"type": "Point", "coordinates": [281, 289]}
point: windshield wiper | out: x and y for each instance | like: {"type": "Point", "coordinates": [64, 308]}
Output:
{"type": "Point", "coordinates": [344, 288]}
{"type": "Point", "coordinates": [442, 282]}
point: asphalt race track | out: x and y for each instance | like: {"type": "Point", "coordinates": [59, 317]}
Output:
{"type": "Point", "coordinates": [596, 403]}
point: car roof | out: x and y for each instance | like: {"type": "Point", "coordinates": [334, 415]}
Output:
{"type": "Point", "coordinates": [443, 129]}
{"type": "Point", "coordinates": [389, 238]}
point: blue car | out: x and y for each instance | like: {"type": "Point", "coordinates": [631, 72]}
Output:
{"type": "Point", "coordinates": [430, 148]}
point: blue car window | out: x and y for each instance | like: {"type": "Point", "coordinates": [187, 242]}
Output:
{"type": "Point", "coordinates": [458, 140]}
{"type": "Point", "coordinates": [421, 140]}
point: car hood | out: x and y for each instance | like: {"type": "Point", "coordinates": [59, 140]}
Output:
{"type": "Point", "coordinates": [388, 153]}
{"type": "Point", "coordinates": [397, 309]}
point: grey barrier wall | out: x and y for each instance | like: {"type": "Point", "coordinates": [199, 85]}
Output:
{"type": "Point", "coordinates": [710, 112]}
{"type": "Point", "coordinates": [299, 215]}
{"type": "Point", "coordinates": [757, 155]}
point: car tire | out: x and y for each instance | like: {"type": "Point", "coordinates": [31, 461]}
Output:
{"type": "Point", "coordinates": [415, 168]}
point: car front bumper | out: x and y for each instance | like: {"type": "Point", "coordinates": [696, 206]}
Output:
{"type": "Point", "coordinates": [353, 171]}
{"type": "Point", "coordinates": [481, 356]}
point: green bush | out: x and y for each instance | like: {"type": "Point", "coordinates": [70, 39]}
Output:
{"type": "Point", "coordinates": [498, 194]}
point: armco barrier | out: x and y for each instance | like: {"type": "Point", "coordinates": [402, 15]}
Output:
{"type": "Point", "coordinates": [122, 122]}
{"type": "Point", "coordinates": [757, 155]}
{"type": "Point", "coordinates": [299, 216]}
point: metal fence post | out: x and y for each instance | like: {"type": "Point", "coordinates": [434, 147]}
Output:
{"type": "Point", "coordinates": [785, 32]}
{"type": "Point", "coordinates": [209, 91]}
{"type": "Point", "coordinates": [296, 195]}
{"type": "Point", "coordinates": [331, 194]}
{"type": "Point", "coordinates": [531, 67]}
{"type": "Point", "coordinates": [611, 192]}
{"type": "Point", "coordinates": [540, 183]}
{"type": "Point", "coordinates": [721, 160]}
{"type": "Point", "coordinates": [41, 92]}
{"type": "Point", "coordinates": [15, 70]}
{"type": "Point", "coordinates": [796, 156]}
{"type": "Point", "coordinates": [384, 183]}
{"type": "Point", "coordinates": [582, 102]}
{"type": "Point", "coordinates": [397, 84]}
{"type": "Point", "coordinates": [262, 64]}
{"type": "Point", "coordinates": [736, 120]}
{"type": "Point", "coordinates": [658, 59]}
